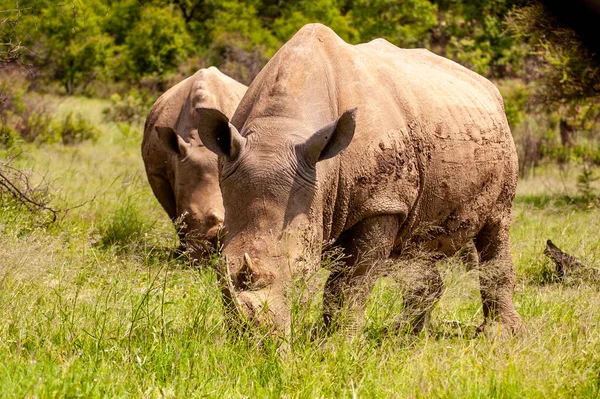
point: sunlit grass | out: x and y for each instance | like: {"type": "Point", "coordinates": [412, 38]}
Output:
{"type": "Point", "coordinates": [125, 319]}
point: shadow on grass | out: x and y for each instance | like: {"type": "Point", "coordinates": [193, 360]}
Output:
{"type": "Point", "coordinates": [544, 201]}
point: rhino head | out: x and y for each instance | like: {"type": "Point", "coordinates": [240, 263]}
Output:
{"type": "Point", "coordinates": [273, 206]}
{"type": "Point", "coordinates": [196, 188]}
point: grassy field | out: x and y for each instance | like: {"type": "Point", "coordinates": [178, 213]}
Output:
{"type": "Point", "coordinates": [95, 306]}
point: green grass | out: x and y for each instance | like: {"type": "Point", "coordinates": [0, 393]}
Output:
{"type": "Point", "coordinates": [97, 307]}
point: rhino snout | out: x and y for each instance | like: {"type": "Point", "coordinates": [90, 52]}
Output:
{"type": "Point", "coordinates": [214, 218]}
{"type": "Point", "coordinates": [252, 274]}
{"type": "Point", "coordinates": [264, 307]}
{"type": "Point", "coordinates": [203, 223]}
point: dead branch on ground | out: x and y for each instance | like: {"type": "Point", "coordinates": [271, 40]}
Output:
{"type": "Point", "coordinates": [565, 264]}
{"type": "Point", "coordinates": [34, 197]}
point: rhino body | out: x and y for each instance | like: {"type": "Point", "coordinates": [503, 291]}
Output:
{"type": "Point", "coordinates": [181, 171]}
{"type": "Point", "coordinates": [370, 146]}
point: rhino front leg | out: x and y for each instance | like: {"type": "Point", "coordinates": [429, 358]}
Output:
{"type": "Point", "coordinates": [496, 276]}
{"type": "Point", "coordinates": [367, 243]}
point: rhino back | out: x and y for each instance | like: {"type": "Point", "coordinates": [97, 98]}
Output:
{"type": "Point", "coordinates": [461, 141]}
{"type": "Point", "coordinates": [431, 137]}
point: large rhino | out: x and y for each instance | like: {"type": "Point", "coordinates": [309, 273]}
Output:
{"type": "Point", "coordinates": [181, 171]}
{"type": "Point", "coordinates": [373, 147]}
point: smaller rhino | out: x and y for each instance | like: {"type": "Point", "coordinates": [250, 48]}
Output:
{"type": "Point", "coordinates": [181, 171]}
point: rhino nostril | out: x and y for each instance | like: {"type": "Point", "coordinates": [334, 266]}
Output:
{"type": "Point", "coordinates": [214, 218]}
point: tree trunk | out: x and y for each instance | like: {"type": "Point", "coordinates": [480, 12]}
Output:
{"type": "Point", "coordinates": [566, 134]}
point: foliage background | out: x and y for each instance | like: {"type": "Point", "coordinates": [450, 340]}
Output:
{"type": "Point", "coordinates": [136, 49]}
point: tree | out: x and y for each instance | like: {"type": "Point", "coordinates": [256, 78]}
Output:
{"type": "Point", "coordinates": [240, 44]}
{"type": "Point", "coordinates": [156, 43]}
{"type": "Point", "coordinates": [403, 23]}
{"type": "Point", "coordinates": [302, 12]}
{"type": "Point", "coordinates": [474, 33]}
{"type": "Point", "coordinates": [11, 49]}
{"type": "Point", "coordinates": [567, 74]}
{"type": "Point", "coordinates": [67, 43]}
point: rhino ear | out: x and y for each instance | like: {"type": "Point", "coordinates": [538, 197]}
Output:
{"type": "Point", "coordinates": [171, 142]}
{"type": "Point", "coordinates": [332, 139]}
{"type": "Point", "coordinates": [217, 134]}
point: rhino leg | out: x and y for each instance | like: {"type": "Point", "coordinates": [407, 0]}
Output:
{"type": "Point", "coordinates": [367, 243]}
{"type": "Point", "coordinates": [468, 256]}
{"type": "Point", "coordinates": [496, 275]}
{"type": "Point", "coordinates": [422, 288]}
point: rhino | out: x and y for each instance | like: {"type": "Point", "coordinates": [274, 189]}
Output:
{"type": "Point", "coordinates": [371, 147]}
{"type": "Point", "coordinates": [181, 171]}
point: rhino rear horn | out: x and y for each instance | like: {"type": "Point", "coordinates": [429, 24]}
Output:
{"type": "Point", "coordinates": [217, 134]}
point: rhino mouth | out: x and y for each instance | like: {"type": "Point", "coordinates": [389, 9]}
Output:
{"type": "Point", "coordinates": [200, 245]}
{"type": "Point", "coordinates": [252, 306]}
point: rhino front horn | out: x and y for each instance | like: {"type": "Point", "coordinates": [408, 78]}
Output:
{"type": "Point", "coordinates": [247, 261]}
{"type": "Point", "coordinates": [254, 274]}
{"type": "Point", "coordinates": [245, 274]}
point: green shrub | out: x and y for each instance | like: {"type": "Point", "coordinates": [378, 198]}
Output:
{"type": "Point", "coordinates": [12, 87]}
{"type": "Point", "coordinates": [12, 103]}
{"type": "Point", "coordinates": [405, 24]}
{"type": "Point", "coordinates": [131, 108]}
{"type": "Point", "coordinates": [237, 57]}
{"type": "Point", "coordinates": [516, 97]}
{"type": "Point", "coordinates": [585, 184]}
{"type": "Point", "coordinates": [74, 129]}
{"type": "Point", "coordinates": [35, 119]}
{"type": "Point", "coordinates": [156, 43]}
{"type": "Point", "coordinates": [8, 135]}
{"type": "Point", "coordinates": [125, 228]}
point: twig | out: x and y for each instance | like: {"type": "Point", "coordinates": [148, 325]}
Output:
{"type": "Point", "coordinates": [35, 198]}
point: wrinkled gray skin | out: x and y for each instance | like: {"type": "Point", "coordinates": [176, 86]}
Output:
{"type": "Point", "coordinates": [371, 146]}
{"type": "Point", "coordinates": [181, 171]}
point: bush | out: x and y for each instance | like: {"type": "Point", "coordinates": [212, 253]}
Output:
{"type": "Point", "coordinates": [12, 88]}
{"type": "Point", "coordinates": [30, 116]}
{"type": "Point", "coordinates": [8, 135]}
{"type": "Point", "coordinates": [237, 58]}
{"type": "Point", "coordinates": [38, 126]}
{"type": "Point", "coordinates": [156, 43]}
{"type": "Point", "coordinates": [516, 97]}
{"type": "Point", "coordinates": [532, 140]}
{"type": "Point", "coordinates": [405, 24]}
{"type": "Point", "coordinates": [35, 119]}
{"type": "Point", "coordinates": [75, 129]}
{"type": "Point", "coordinates": [131, 108]}
{"type": "Point", "coordinates": [585, 184]}
{"type": "Point", "coordinates": [125, 228]}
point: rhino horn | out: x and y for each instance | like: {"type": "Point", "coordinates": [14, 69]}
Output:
{"type": "Point", "coordinates": [245, 273]}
